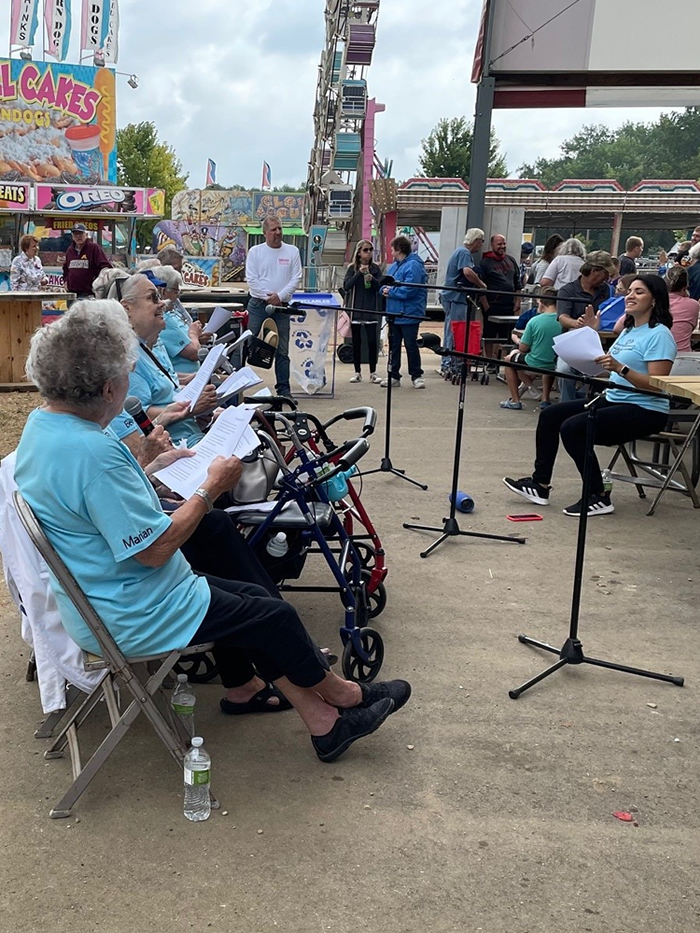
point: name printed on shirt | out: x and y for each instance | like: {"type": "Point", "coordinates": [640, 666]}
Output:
{"type": "Point", "coordinates": [283, 262]}
{"type": "Point", "coordinates": [133, 540]}
{"type": "Point", "coordinates": [78, 264]}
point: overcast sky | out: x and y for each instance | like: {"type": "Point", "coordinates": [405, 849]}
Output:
{"type": "Point", "coordinates": [235, 81]}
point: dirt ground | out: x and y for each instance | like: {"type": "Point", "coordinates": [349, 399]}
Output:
{"type": "Point", "coordinates": [467, 811]}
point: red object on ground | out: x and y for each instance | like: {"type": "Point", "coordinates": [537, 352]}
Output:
{"type": "Point", "coordinates": [623, 816]}
{"type": "Point", "coordinates": [458, 332]}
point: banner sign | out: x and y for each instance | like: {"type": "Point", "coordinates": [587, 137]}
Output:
{"type": "Point", "coordinates": [95, 24]}
{"type": "Point", "coordinates": [24, 19]}
{"type": "Point", "coordinates": [111, 46]}
{"type": "Point", "coordinates": [57, 16]}
{"type": "Point", "coordinates": [237, 207]}
{"type": "Point", "coordinates": [14, 197]}
{"type": "Point", "coordinates": [78, 199]}
{"type": "Point", "coordinates": [57, 123]}
{"type": "Point", "coordinates": [203, 272]}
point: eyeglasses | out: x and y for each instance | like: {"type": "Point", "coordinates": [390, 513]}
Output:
{"type": "Point", "coordinates": [152, 296]}
{"type": "Point", "coordinates": [367, 249]}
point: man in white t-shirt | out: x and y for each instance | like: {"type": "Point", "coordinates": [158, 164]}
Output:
{"type": "Point", "coordinates": [273, 272]}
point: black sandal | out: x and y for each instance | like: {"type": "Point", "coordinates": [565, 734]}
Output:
{"type": "Point", "coordinates": [258, 703]}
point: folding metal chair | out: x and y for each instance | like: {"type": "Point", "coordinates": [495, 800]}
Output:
{"type": "Point", "coordinates": [664, 460]}
{"type": "Point", "coordinates": [141, 678]}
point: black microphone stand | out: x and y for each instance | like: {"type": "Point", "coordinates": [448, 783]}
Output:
{"type": "Point", "coordinates": [572, 650]}
{"type": "Point", "coordinates": [386, 465]}
{"type": "Point", "coordinates": [450, 527]}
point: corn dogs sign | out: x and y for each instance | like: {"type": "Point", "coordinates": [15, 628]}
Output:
{"type": "Point", "coordinates": [57, 123]}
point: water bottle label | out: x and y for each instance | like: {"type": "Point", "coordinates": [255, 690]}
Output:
{"type": "Point", "coordinates": [183, 710]}
{"type": "Point", "coordinates": [194, 778]}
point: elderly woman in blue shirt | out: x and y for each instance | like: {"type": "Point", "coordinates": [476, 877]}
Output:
{"type": "Point", "coordinates": [102, 516]}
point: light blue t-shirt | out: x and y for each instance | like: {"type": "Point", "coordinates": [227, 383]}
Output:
{"type": "Point", "coordinates": [98, 510]}
{"type": "Point", "coordinates": [123, 425]}
{"type": "Point", "coordinates": [460, 259]}
{"type": "Point", "coordinates": [636, 347]}
{"type": "Point", "coordinates": [152, 386]}
{"type": "Point", "coordinates": [174, 338]}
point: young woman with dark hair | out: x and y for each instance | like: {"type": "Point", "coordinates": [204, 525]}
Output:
{"type": "Point", "coordinates": [361, 292]}
{"type": "Point", "coordinates": [644, 348]}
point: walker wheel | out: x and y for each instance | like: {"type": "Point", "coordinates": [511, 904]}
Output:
{"type": "Point", "coordinates": [367, 554]}
{"type": "Point", "coordinates": [200, 668]}
{"type": "Point", "coordinates": [364, 670]}
{"type": "Point", "coordinates": [376, 599]}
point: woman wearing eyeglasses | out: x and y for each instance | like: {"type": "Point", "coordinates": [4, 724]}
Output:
{"type": "Point", "coordinates": [361, 293]}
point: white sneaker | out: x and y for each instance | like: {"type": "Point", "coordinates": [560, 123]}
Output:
{"type": "Point", "coordinates": [375, 378]}
{"type": "Point", "coordinates": [395, 383]}
{"type": "Point", "coordinates": [532, 392]}
{"type": "Point", "coordinates": [356, 377]}
{"type": "Point", "coordinates": [418, 383]}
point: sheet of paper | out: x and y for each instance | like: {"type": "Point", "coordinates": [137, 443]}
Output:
{"type": "Point", "coordinates": [579, 348]}
{"type": "Point", "coordinates": [239, 381]}
{"type": "Point", "coordinates": [225, 439]}
{"type": "Point", "coordinates": [191, 392]}
{"type": "Point", "coordinates": [246, 335]}
{"type": "Point", "coordinates": [218, 318]}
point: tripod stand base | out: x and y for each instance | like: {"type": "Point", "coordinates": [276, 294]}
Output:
{"type": "Point", "coordinates": [572, 653]}
{"type": "Point", "coordinates": [388, 467]}
{"type": "Point", "coordinates": [451, 529]}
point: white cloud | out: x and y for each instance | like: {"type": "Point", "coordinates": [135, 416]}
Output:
{"type": "Point", "coordinates": [235, 82]}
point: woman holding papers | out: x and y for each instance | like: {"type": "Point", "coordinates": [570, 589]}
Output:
{"type": "Point", "coordinates": [153, 380]}
{"type": "Point", "coordinates": [645, 347]}
{"type": "Point", "coordinates": [101, 514]}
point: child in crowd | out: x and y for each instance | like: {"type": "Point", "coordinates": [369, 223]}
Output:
{"type": "Point", "coordinates": [535, 348]}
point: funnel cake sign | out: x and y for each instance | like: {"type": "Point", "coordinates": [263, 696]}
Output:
{"type": "Point", "coordinates": [57, 123]}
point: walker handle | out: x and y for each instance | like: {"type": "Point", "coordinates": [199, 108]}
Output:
{"type": "Point", "coordinates": [355, 453]}
{"type": "Point", "coordinates": [352, 414]}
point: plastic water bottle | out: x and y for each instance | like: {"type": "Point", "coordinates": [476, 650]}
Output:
{"type": "Point", "coordinates": [278, 546]}
{"type": "Point", "coordinates": [607, 482]}
{"type": "Point", "coordinates": [182, 702]}
{"type": "Point", "coordinates": [197, 782]}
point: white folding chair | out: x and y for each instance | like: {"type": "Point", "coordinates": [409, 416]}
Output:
{"type": "Point", "coordinates": [140, 678]}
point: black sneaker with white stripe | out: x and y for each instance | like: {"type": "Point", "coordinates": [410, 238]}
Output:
{"type": "Point", "coordinates": [597, 505]}
{"type": "Point", "coordinates": [528, 489]}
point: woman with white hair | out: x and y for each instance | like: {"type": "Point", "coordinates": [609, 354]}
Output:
{"type": "Point", "coordinates": [180, 338]}
{"type": "Point", "coordinates": [102, 516]}
{"type": "Point", "coordinates": [566, 265]}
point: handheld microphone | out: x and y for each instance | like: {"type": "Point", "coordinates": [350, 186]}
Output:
{"type": "Point", "coordinates": [135, 409]}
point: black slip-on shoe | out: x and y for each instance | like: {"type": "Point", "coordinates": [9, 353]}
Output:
{"type": "Point", "coordinates": [351, 725]}
{"type": "Point", "coordinates": [397, 690]}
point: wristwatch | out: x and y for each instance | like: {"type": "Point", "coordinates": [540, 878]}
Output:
{"type": "Point", "coordinates": [623, 371]}
{"type": "Point", "coordinates": [203, 494]}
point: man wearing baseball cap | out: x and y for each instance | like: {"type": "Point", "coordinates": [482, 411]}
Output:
{"type": "Point", "coordinates": [84, 262]}
{"type": "Point", "coordinates": [578, 304]}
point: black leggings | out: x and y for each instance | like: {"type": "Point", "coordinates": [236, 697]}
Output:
{"type": "Point", "coordinates": [242, 617]}
{"type": "Point", "coordinates": [616, 423]}
{"type": "Point", "coordinates": [371, 331]}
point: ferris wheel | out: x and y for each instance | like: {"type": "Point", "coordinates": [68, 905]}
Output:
{"type": "Point", "coordinates": [342, 116]}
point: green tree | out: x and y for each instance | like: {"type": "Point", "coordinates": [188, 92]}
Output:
{"type": "Point", "coordinates": [667, 148]}
{"type": "Point", "coordinates": [145, 162]}
{"type": "Point", "coordinates": [447, 151]}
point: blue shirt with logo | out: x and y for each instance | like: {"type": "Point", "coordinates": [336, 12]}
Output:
{"type": "Point", "coordinates": [175, 338]}
{"type": "Point", "coordinates": [99, 511]}
{"type": "Point", "coordinates": [152, 386]}
{"type": "Point", "coordinates": [636, 347]}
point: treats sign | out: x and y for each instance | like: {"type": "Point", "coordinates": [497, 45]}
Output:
{"type": "Point", "coordinates": [57, 122]}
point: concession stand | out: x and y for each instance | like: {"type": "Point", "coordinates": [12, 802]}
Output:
{"type": "Point", "coordinates": [48, 212]}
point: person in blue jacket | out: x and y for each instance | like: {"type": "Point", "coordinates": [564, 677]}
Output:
{"type": "Point", "coordinates": [409, 305]}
